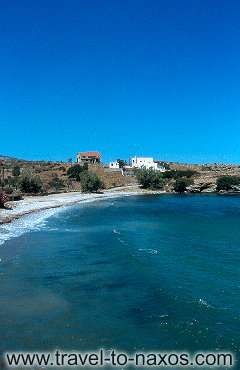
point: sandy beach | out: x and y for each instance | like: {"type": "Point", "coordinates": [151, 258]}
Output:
{"type": "Point", "coordinates": [32, 204]}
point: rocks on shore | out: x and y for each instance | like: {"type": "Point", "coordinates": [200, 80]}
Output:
{"type": "Point", "coordinates": [202, 187]}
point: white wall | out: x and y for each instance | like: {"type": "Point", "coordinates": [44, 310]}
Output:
{"type": "Point", "coordinates": [141, 162]}
{"type": "Point", "coordinates": [145, 162]}
{"type": "Point", "coordinates": [114, 164]}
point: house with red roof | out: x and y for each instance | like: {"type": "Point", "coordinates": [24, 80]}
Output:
{"type": "Point", "coordinates": [88, 157]}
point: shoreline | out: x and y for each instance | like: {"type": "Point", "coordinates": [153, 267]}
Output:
{"type": "Point", "coordinates": [38, 203]}
{"type": "Point", "coordinates": [34, 204]}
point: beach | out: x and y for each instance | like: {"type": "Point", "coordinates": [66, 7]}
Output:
{"type": "Point", "coordinates": [38, 203]}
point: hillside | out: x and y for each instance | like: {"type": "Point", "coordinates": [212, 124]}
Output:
{"type": "Point", "coordinates": [53, 176]}
{"type": "Point", "coordinates": [207, 174]}
{"type": "Point", "coordinates": [7, 158]}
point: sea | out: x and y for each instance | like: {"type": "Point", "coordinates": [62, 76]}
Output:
{"type": "Point", "coordinates": [141, 273]}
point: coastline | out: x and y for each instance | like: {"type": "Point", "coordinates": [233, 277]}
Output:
{"type": "Point", "coordinates": [38, 203]}
{"type": "Point", "coordinates": [33, 204]}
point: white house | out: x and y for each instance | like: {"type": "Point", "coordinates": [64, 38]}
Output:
{"type": "Point", "coordinates": [147, 163]}
{"type": "Point", "coordinates": [114, 165]}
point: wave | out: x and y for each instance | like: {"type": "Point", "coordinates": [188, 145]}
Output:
{"type": "Point", "coordinates": [116, 231]}
{"type": "Point", "coordinates": [121, 241]}
{"type": "Point", "coordinates": [34, 222]}
{"type": "Point", "coordinates": [37, 220]}
{"type": "Point", "coordinates": [31, 222]}
{"type": "Point", "coordinates": [149, 250]}
{"type": "Point", "coordinates": [202, 302]}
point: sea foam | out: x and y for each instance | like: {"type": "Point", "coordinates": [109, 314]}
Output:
{"type": "Point", "coordinates": [31, 222]}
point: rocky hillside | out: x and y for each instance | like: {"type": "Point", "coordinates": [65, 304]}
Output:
{"type": "Point", "coordinates": [206, 175]}
{"type": "Point", "coordinates": [53, 176]}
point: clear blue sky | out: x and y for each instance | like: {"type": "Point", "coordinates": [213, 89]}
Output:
{"type": "Point", "coordinates": [145, 77]}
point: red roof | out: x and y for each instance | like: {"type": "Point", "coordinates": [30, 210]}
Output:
{"type": "Point", "coordinates": [89, 154]}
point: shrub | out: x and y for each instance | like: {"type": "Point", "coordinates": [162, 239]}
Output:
{"type": "Point", "coordinates": [12, 182]}
{"type": "Point", "coordinates": [90, 182]}
{"type": "Point", "coordinates": [150, 179]}
{"type": "Point", "coordinates": [56, 183]}
{"type": "Point", "coordinates": [75, 171]}
{"type": "Point", "coordinates": [227, 182]}
{"type": "Point", "coordinates": [175, 174]}
{"type": "Point", "coordinates": [3, 199]}
{"type": "Point", "coordinates": [182, 184]}
{"type": "Point", "coordinates": [31, 184]}
{"type": "Point", "coordinates": [16, 171]}
{"type": "Point", "coordinates": [186, 173]}
{"type": "Point", "coordinates": [8, 189]}
{"type": "Point", "coordinates": [61, 168]}
{"type": "Point", "coordinates": [171, 174]}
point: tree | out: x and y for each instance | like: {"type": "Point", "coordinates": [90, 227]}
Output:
{"type": "Point", "coordinates": [90, 182]}
{"type": "Point", "coordinates": [181, 184]}
{"type": "Point", "coordinates": [16, 171]}
{"type": "Point", "coordinates": [13, 182]}
{"type": "Point", "coordinates": [121, 163]}
{"type": "Point", "coordinates": [31, 184]}
{"type": "Point", "coordinates": [150, 179]}
{"type": "Point", "coordinates": [3, 199]}
{"type": "Point", "coordinates": [75, 171]}
{"type": "Point", "coordinates": [56, 183]}
{"type": "Point", "coordinates": [227, 182]}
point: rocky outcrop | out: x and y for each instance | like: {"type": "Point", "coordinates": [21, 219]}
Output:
{"type": "Point", "coordinates": [202, 187]}
{"type": "Point", "coordinates": [235, 188]}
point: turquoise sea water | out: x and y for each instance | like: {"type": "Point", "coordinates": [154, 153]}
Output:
{"type": "Point", "coordinates": [135, 273]}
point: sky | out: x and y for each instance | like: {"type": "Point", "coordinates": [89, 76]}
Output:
{"type": "Point", "coordinates": [154, 78]}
